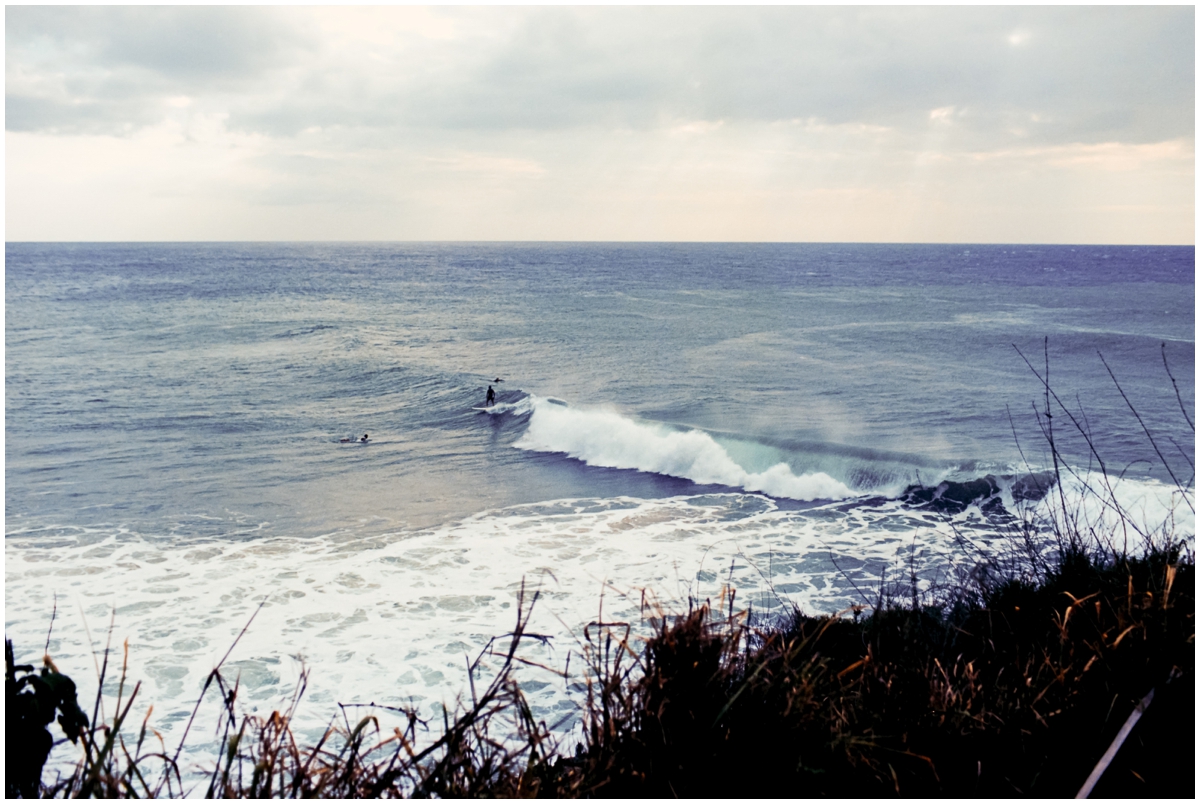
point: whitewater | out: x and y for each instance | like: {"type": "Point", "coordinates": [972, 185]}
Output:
{"type": "Point", "coordinates": [605, 438]}
{"type": "Point", "coordinates": [797, 425]}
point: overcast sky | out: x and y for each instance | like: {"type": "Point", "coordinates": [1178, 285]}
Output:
{"type": "Point", "coordinates": [885, 124]}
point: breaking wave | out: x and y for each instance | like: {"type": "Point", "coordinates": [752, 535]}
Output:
{"type": "Point", "coordinates": [606, 438]}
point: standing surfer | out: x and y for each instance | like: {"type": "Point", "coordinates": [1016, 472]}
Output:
{"type": "Point", "coordinates": [491, 397]}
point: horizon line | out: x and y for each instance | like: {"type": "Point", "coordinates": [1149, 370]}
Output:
{"type": "Point", "coordinates": [612, 242]}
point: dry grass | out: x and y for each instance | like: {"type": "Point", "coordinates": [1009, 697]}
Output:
{"type": "Point", "coordinates": [486, 749]}
{"type": "Point", "coordinates": [1019, 697]}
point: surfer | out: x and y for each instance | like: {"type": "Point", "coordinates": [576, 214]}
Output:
{"type": "Point", "coordinates": [491, 397]}
{"type": "Point", "coordinates": [363, 440]}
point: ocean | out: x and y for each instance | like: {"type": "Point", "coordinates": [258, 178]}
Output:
{"type": "Point", "coordinates": [797, 422]}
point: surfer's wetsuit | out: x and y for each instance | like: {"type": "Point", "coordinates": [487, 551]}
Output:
{"type": "Point", "coordinates": [491, 397]}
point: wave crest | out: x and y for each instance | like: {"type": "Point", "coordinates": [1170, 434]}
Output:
{"type": "Point", "coordinates": [608, 439]}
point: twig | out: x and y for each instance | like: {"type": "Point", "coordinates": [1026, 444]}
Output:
{"type": "Point", "coordinates": [1115, 505]}
{"type": "Point", "coordinates": [50, 630]}
{"type": "Point", "coordinates": [1016, 440]}
{"type": "Point", "coordinates": [1117, 742]}
{"type": "Point", "coordinates": [848, 578]}
{"type": "Point", "coordinates": [1146, 430]}
{"type": "Point", "coordinates": [1176, 386]}
{"type": "Point", "coordinates": [1050, 422]}
{"type": "Point", "coordinates": [1184, 455]}
{"type": "Point", "coordinates": [209, 680]}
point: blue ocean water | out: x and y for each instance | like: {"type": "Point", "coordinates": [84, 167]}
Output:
{"type": "Point", "coordinates": [671, 416]}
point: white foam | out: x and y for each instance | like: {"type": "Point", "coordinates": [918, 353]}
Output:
{"type": "Point", "coordinates": [606, 438]}
{"type": "Point", "coordinates": [392, 618]}
{"type": "Point", "coordinates": [1139, 512]}
{"type": "Point", "coordinates": [523, 405]}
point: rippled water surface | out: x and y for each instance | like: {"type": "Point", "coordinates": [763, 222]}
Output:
{"type": "Point", "coordinates": [672, 418]}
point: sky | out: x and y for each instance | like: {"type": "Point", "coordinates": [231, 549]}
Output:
{"type": "Point", "coordinates": [1005, 124]}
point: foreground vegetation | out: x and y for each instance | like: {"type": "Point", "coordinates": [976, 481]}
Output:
{"type": "Point", "coordinates": [1064, 666]}
{"type": "Point", "coordinates": [1018, 693]}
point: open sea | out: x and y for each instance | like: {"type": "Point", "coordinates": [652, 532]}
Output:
{"type": "Point", "coordinates": [796, 422]}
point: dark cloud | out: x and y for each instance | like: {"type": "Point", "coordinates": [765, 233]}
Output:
{"type": "Point", "coordinates": [1010, 74]}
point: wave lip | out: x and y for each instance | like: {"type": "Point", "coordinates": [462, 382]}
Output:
{"type": "Point", "coordinates": [519, 407]}
{"type": "Point", "coordinates": [606, 438]}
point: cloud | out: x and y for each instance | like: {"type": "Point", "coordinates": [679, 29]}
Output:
{"type": "Point", "coordinates": [1094, 74]}
{"type": "Point", "coordinates": [777, 122]}
{"type": "Point", "coordinates": [185, 43]}
{"type": "Point", "coordinates": [104, 69]}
